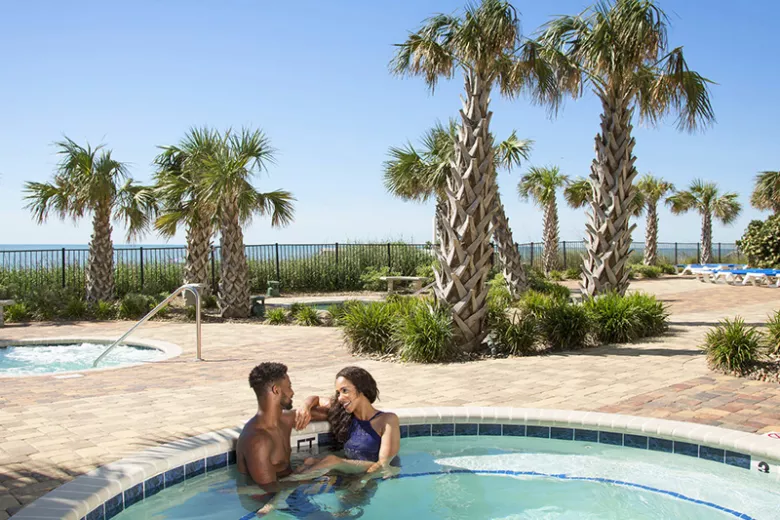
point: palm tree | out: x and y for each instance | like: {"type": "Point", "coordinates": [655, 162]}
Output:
{"type": "Point", "coordinates": [766, 194]}
{"type": "Point", "coordinates": [418, 175]}
{"type": "Point", "coordinates": [226, 182]}
{"type": "Point", "coordinates": [541, 184]}
{"type": "Point", "coordinates": [705, 198]}
{"type": "Point", "coordinates": [650, 190]}
{"type": "Point", "coordinates": [90, 180]}
{"type": "Point", "coordinates": [178, 185]}
{"type": "Point", "coordinates": [621, 49]}
{"type": "Point", "coordinates": [485, 45]}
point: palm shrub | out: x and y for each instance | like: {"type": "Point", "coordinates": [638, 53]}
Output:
{"type": "Point", "coordinates": [563, 325]}
{"type": "Point", "coordinates": [653, 315]}
{"type": "Point", "coordinates": [276, 316]}
{"type": "Point", "coordinates": [772, 337]}
{"type": "Point", "coordinates": [572, 273]}
{"type": "Point", "coordinates": [732, 346]}
{"type": "Point", "coordinates": [75, 309]}
{"type": "Point", "coordinates": [135, 306]}
{"type": "Point", "coordinates": [295, 308]}
{"type": "Point", "coordinates": [512, 332]}
{"type": "Point", "coordinates": [17, 312]}
{"type": "Point", "coordinates": [615, 319]}
{"type": "Point", "coordinates": [368, 329]}
{"type": "Point", "coordinates": [104, 310]}
{"type": "Point", "coordinates": [308, 316]}
{"type": "Point", "coordinates": [425, 334]}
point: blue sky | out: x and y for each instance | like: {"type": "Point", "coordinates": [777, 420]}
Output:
{"type": "Point", "coordinates": [314, 77]}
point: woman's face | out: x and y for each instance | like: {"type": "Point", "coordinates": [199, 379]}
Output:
{"type": "Point", "coordinates": [347, 394]}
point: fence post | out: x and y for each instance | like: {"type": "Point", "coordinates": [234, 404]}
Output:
{"type": "Point", "coordinates": [213, 272]}
{"type": "Point", "coordinates": [338, 272]}
{"type": "Point", "coordinates": [532, 254]}
{"type": "Point", "coordinates": [63, 267]}
{"type": "Point", "coordinates": [698, 252]}
{"type": "Point", "coordinates": [675, 254]}
{"type": "Point", "coordinates": [389, 260]}
{"type": "Point", "coordinates": [142, 268]}
{"type": "Point", "coordinates": [278, 272]}
{"type": "Point", "coordinates": [564, 255]}
{"type": "Point", "coordinates": [719, 260]}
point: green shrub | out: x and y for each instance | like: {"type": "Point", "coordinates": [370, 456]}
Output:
{"type": "Point", "coordinates": [425, 334]}
{"type": "Point", "coordinates": [667, 268]}
{"type": "Point", "coordinates": [104, 310]}
{"type": "Point", "coordinates": [536, 303]}
{"type": "Point", "coordinates": [8, 292]}
{"type": "Point", "coordinates": [652, 314]}
{"type": "Point", "coordinates": [615, 319]}
{"type": "Point", "coordinates": [573, 273]}
{"type": "Point", "coordinates": [210, 302]}
{"type": "Point", "coordinates": [761, 242]}
{"type": "Point", "coordinates": [45, 303]}
{"type": "Point", "coordinates": [295, 308]}
{"type": "Point", "coordinates": [17, 312]}
{"type": "Point", "coordinates": [308, 316]}
{"type": "Point", "coordinates": [191, 312]}
{"type": "Point", "coordinates": [370, 281]}
{"type": "Point", "coordinates": [135, 306]}
{"type": "Point", "coordinates": [514, 333]}
{"type": "Point", "coordinates": [425, 271]}
{"type": "Point", "coordinates": [498, 292]}
{"type": "Point", "coordinates": [277, 316]}
{"type": "Point", "coordinates": [732, 346]}
{"type": "Point", "coordinates": [564, 326]}
{"type": "Point", "coordinates": [336, 312]}
{"type": "Point", "coordinates": [647, 271]}
{"type": "Point", "coordinates": [75, 309]}
{"type": "Point", "coordinates": [554, 275]}
{"type": "Point", "coordinates": [773, 334]}
{"type": "Point", "coordinates": [369, 328]}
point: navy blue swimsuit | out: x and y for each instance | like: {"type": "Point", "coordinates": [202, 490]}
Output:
{"type": "Point", "coordinates": [363, 442]}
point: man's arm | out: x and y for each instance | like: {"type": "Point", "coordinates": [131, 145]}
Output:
{"type": "Point", "coordinates": [314, 408]}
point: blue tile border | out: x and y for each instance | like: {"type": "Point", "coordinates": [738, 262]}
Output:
{"type": "Point", "coordinates": [177, 475]}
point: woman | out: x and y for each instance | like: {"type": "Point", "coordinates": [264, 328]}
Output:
{"type": "Point", "coordinates": [370, 438]}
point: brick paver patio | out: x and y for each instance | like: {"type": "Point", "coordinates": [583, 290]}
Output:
{"type": "Point", "coordinates": [52, 430]}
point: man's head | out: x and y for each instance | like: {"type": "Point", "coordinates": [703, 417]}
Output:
{"type": "Point", "coordinates": [272, 385]}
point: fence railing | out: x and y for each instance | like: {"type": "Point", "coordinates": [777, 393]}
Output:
{"type": "Point", "coordinates": [298, 267]}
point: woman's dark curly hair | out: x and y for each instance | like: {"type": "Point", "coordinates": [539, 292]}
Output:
{"type": "Point", "coordinates": [338, 417]}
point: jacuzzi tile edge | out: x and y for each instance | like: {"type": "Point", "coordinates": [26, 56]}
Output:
{"type": "Point", "coordinates": [106, 491]}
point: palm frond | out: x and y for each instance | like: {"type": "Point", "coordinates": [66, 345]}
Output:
{"type": "Point", "coordinates": [512, 151]}
{"type": "Point", "coordinates": [578, 193]}
{"type": "Point", "coordinates": [541, 184]}
{"type": "Point", "coordinates": [726, 207]}
{"type": "Point", "coordinates": [766, 193]}
{"type": "Point", "coordinates": [136, 206]}
{"type": "Point", "coordinates": [428, 52]}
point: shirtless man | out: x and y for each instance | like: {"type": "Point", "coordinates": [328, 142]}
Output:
{"type": "Point", "coordinates": [263, 450]}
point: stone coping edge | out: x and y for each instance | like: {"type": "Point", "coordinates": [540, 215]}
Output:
{"type": "Point", "coordinates": [171, 350]}
{"type": "Point", "coordinates": [75, 499]}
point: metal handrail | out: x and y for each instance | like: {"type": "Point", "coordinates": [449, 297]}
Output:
{"type": "Point", "coordinates": [194, 288]}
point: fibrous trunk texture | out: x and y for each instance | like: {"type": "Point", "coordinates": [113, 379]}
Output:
{"type": "Point", "coordinates": [706, 238]}
{"type": "Point", "coordinates": [608, 229]}
{"type": "Point", "coordinates": [550, 256]}
{"type": "Point", "coordinates": [651, 235]}
{"type": "Point", "coordinates": [506, 249]}
{"type": "Point", "coordinates": [100, 265]}
{"type": "Point", "coordinates": [233, 284]}
{"type": "Point", "coordinates": [465, 252]}
{"type": "Point", "coordinates": [196, 270]}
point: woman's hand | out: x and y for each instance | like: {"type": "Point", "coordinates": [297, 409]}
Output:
{"type": "Point", "coordinates": [302, 417]}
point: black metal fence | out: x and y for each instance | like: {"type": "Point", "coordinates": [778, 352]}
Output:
{"type": "Point", "coordinates": [298, 267]}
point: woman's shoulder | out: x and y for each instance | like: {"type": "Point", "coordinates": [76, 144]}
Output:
{"type": "Point", "coordinates": [389, 418]}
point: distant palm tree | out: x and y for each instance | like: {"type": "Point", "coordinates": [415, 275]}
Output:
{"type": "Point", "coordinates": [227, 174]}
{"type": "Point", "coordinates": [90, 180]}
{"type": "Point", "coordinates": [704, 197]}
{"type": "Point", "coordinates": [621, 48]}
{"type": "Point", "coordinates": [542, 185]}
{"type": "Point", "coordinates": [179, 188]}
{"type": "Point", "coordinates": [485, 45]}
{"type": "Point", "coordinates": [766, 194]}
{"type": "Point", "coordinates": [419, 174]}
{"type": "Point", "coordinates": [650, 190]}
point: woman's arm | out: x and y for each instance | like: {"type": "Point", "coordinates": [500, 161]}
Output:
{"type": "Point", "coordinates": [391, 443]}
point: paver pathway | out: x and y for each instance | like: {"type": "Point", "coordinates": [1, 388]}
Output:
{"type": "Point", "coordinates": [54, 429]}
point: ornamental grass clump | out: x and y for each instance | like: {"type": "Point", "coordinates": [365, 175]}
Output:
{"type": "Point", "coordinates": [732, 346]}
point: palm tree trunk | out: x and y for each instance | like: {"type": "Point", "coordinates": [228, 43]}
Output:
{"type": "Point", "coordinates": [100, 265]}
{"type": "Point", "coordinates": [441, 218]}
{"type": "Point", "coordinates": [706, 237]}
{"type": "Point", "coordinates": [465, 254]}
{"type": "Point", "coordinates": [651, 234]}
{"type": "Point", "coordinates": [233, 285]}
{"type": "Point", "coordinates": [196, 270]}
{"type": "Point", "coordinates": [608, 230]}
{"type": "Point", "coordinates": [550, 256]}
{"type": "Point", "coordinates": [506, 248]}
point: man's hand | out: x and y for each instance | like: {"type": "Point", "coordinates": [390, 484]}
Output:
{"type": "Point", "coordinates": [302, 417]}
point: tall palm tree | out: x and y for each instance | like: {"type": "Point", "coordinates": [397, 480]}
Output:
{"type": "Point", "coordinates": [90, 180]}
{"type": "Point", "coordinates": [650, 190]}
{"type": "Point", "coordinates": [705, 198]}
{"type": "Point", "coordinates": [766, 194]}
{"type": "Point", "coordinates": [178, 186]}
{"type": "Point", "coordinates": [227, 174]}
{"type": "Point", "coordinates": [542, 185]}
{"type": "Point", "coordinates": [419, 174]}
{"type": "Point", "coordinates": [485, 45]}
{"type": "Point", "coordinates": [621, 48]}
